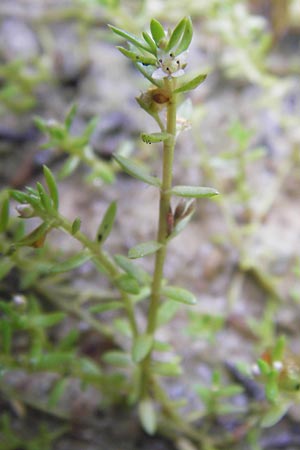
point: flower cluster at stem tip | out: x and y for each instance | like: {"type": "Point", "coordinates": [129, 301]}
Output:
{"type": "Point", "coordinates": [163, 52]}
{"type": "Point", "coordinates": [170, 65]}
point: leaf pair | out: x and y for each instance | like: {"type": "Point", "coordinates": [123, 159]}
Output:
{"type": "Point", "coordinates": [181, 37]}
{"type": "Point", "coordinates": [178, 42]}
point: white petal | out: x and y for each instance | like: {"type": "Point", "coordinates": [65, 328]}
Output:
{"type": "Point", "coordinates": [179, 73]}
{"type": "Point", "coordinates": [158, 74]}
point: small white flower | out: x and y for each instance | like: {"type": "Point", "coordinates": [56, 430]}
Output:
{"type": "Point", "coordinates": [170, 66]}
{"type": "Point", "coordinates": [255, 370]}
{"type": "Point", "coordinates": [277, 365]}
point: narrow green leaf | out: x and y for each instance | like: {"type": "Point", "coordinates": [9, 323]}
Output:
{"type": "Point", "coordinates": [160, 346]}
{"type": "Point", "coordinates": [148, 39]}
{"type": "Point", "coordinates": [271, 388]}
{"type": "Point", "coordinates": [4, 215]}
{"type": "Point", "coordinates": [136, 171]}
{"type": "Point", "coordinates": [117, 358]}
{"type": "Point", "coordinates": [44, 197]}
{"type": "Point", "coordinates": [147, 415]}
{"type": "Point", "coordinates": [44, 320]}
{"type": "Point", "coordinates": [128, 284]}
{"type": "Point", "coordinates": [186, 37]}
{"type": "Point", "coordinates": [179, 295]}
{"type": "Point", "coordinates": [76, 225]}
{"type": "Point", "coordinates": [57, 392]}
{"type": "Point", "coordinates": [157, 31]}
{"type": "Point", "coordinates": [122, 326]}
{"type": "Point", "coordinates": [263, 367]}
{"type": "Point", "coordinates": [137, 57]}
{"type": "Point", "coordinates": [141, 347]}
{"type": "Point", "coordinates": [6, 264]}
{"type": "Point", "coordinates": [70, 116]}
{"type": "Point", "coordinates": [140, 275]}
{"type": "Point", "coordinates": [231, 390]}
{"type": "Point", "coordinates": [103, 170]}
{"type": "Point", "coordinates": [35, 236]}
{"type": "Point", "coordinates": [155, 137]}
{"type": "Point", "coordinates": [106, 306]}
{"type": "Point", "coordinates": [167, 311]}
{"type": "Point", "coordinates": [193, 191]}
{"type": "Point", "coordinates": [274, 414]}
{"type": "Point", "coordinates": [35, 201]}
{"type": "Point", "coordinates": [167, 369]}
{"type": "Point", "coordinates": [107, 223]}
{"type": "Point", "coordinates": [32, 191]}
{"type": "Point", "coordinates": [20, 197]}
{"type": "Point", "coordinates": [40, 123]}
{"type": "Point", "coordinates": [204, 392]}
{"type": "Point", "coordinates": [71, 263]}
{"type": "Point", "coordinates": [129, 37]}
{"type": "Point", "coordinates": [68, 167]}
{"type": "Point", "coordinates": [191, 84]}
{"type": "Point", "coordinates": [176, 34]}
{"type": "Point", "coordinates": [68, 342]}
{"type": "Point", "coordinates": [56, 131]}
{"type": "Point", "coordinates": [90, 128]}
{"type": "Point", "coordinates": [144, 249]}
{"type": "Point", "coordinates": [279, 348]}
{"type": "Point", "coordinates": [88, 369]}
{"type": "Point", "coordinates": [52, 186]}
{"type": "Point", "coordinates": [52, 361]}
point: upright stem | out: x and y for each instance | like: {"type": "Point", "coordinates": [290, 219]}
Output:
{"type": "Point", "coordinates": [162, 232]}
{"type": "Point", "coordinates": [164, 207]}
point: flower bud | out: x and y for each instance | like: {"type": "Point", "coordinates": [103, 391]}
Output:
{"type": "Point", "coordinates": [25, 211]}
{"type": "Point", "coordinates": [20, 301]}
{"type": "Point", "coordinates": [153, 100]}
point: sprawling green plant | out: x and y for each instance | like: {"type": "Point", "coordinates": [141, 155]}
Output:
{"type": "Point", "coordinates": [77, 148]}
{"type": "Point", "coordinates": [138, 372]}
{"type": "Point", "coordinates": [161, 58]}
{"type": "Point", "coordinates": [19, 82]}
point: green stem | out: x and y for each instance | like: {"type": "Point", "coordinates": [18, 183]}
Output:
{"type": "Point", "coordinates": [105, 261]}
{"type": "Point", "coordinates": [164, 207]}
{"type": "Point", "coordinates": [162, 233]}
{"type": "Point", "coordinates": [54, 297]}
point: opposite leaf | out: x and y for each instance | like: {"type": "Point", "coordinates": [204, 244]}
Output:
{"type": "Point", "coordinates": [186, 38]}
{"type": "Point", "coordinates": [70, 116]}
{"type": "Point", "coordinates": [141, 347]}
{"type": "Point", "coordinates": [4, 215]}
{"type": "Point", "coordinates": [71, 263]}
{"type": "Point", "coordinates": [192, 84]}
{"type": "Point", "coordinates": [137, 57]}
{"type": "Point", "coordinates": [157, 31]}
{"type": "Point", "coordinates": [130, 38]}
{"type": "Point", "coordinates": [136, 272]}
{"type": "Point", "coordinates": [143, 249]}
{"type": "Point", "coordinates": [274, 414]}
{"type": "Point", "coordinates": [147, 415]}
{"type": "Point", "coordinates": [176, 34]}
{"type": "Point", "coordinates": [194, 191]}
{"type": "Point", "coordinates": [155, 137]}
{"type": "Point", "coordinates": [76, 225]}
{"type": "Point", "coordinates": [107, 223]}
{"type": "Point", "coordinates": [136, 171]}
{"type": "Point", "coordinates": [179, 295]}
{"type": "Point", "coordinates": [52, 186]}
